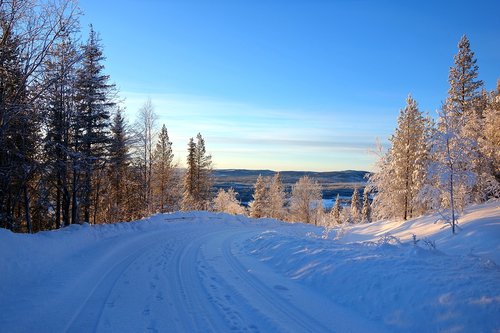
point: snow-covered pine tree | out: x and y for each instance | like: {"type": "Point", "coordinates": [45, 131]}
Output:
{"type": "Point", "coordinates": [465, 88]}
{"type": "Point", "coordinates": [260, 203]}
{"type": "Point", "coordinates": [355, 206]}
{"type": "Point", "coordinates": [164, 173]}
{"type": "Point", "coordinates": [410, 159]}
{"type": "Point", "coordinates": [94, 102]}
{"type": "Point", "coordinates": [277, 197]}
{"type": "Point", "coordinates": [467, 103]}
{"type": "Point", "coordinates": [366, 211]}
{"type": "Point", "coordinates": [335, 212]}
{"type": "Point", "coordinates": [401, 173]}
{"type": "Point", "coordinates": [306, 194]}
{"type": "Point", "coordinates": [226, 202]}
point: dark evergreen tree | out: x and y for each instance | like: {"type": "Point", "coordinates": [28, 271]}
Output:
{"type": "Point", "coordinates": [19, 131]}
{"type": "Point", "coordinates": [203, 174]}
{"type": "Point", "coordinates": [198, 177]}
{"type": "Point", "coordinates": [59, 102]}
{"type": "Point", "coordinates": [94, 97]}
{"type": "Point", "coordinates": [118, 168]}
{"type": "Point", "coordinates": [189, 191]}
{"type": "Point", "coordinates": [164, 172]}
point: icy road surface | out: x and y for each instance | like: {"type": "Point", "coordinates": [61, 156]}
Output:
{"type": "Point", "coordinates": [205, 272]}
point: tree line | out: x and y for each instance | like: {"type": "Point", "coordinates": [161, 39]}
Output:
{"type": "Point", "coordinates": [444, 164]}
{"type": "Point", "coordinates": [67, 154]}
{"type": "Point", "coordinates": [304, 203]}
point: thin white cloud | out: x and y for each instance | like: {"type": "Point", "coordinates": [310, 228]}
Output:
{"type": "Point", "coordinates": [233, 129]}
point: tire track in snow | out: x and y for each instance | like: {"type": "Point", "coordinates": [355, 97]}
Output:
{"type": "Point", "coordinates": [281, 310]}
{"type": "Point", "coordinates": [87, 317]}
{"type": "Point", "coordinates": [186, 284]}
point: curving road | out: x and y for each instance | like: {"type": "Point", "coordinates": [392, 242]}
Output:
{"type": "Point", "coordinates": [190, 276]}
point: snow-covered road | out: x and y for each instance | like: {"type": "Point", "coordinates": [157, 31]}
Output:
{"type": "Point", "coordinates": [206, 272]}
{"type": "Point", "coordinates": [187, 275]}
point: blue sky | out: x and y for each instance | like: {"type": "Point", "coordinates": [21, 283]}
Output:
{"type": "Point", "coordinates": [288, 85]}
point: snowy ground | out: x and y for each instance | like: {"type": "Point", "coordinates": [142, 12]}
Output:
{"type": "Point", "coordinates": [205, 272]}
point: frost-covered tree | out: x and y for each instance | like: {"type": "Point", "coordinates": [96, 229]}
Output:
{"type": "Point", "coordinates": [490, 144]}
{"type": "Point", "coordinates": [260, 203]}
{"type": "Point", "coordinates": [355, 206]}
{"type": "Point", "coordinates": [306, 194]}
{"type": "Point", "coordinates": [452, 168]}
{"type": "Point", "coordinates": [401, 173]}
{"type": "Point", "coordinates": [277, 197]}
{"type": "Point", "coordinates": [319, 217]}
{"type": "Point", "coordinates": [226, 202]}
{"type": "Point", "coordinates": [335, 212]}
{"type": "Point", "coordinates": [346, 216]}
{"type": "Point", "coordinates": [467, 101]}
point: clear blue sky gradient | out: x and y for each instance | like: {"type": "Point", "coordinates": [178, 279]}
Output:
{"type": "Point", "coordinates": [288, 85]}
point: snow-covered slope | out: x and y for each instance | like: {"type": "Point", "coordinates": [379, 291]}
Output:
{"type": "Point", "coordinates": [192, 272]}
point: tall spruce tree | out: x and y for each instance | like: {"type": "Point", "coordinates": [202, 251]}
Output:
{"type": "Point", "coordinates": [164, 172]}
{"type": "Point", "coordinates": [118, 168]}
{"type": "Point", "coordinates": [467, 103]}
{"type": "Point", "coordinates": [198, 178]}
{"type": "Point", "coordinates": [95, 100]}
{"type": "Point", "coordinates": [59, 101]}
{"type": "Point", "coordinates": [189, 190]}
{"type": "Point", "coordinates": [204, 170]}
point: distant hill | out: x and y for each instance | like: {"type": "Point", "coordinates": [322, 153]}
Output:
{"type": "Point", "coordinates": [332, 182]}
